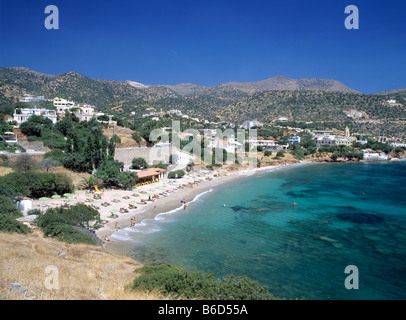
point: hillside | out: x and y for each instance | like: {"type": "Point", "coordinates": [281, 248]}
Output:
{"type": "Point", "coordinates": [108, 93]}
{"type": "Point", "coordinates": [301, 100]}
{"type": "Point", "coordinates": [85, 272]}
{"type": "Point", "coordinates": [72, 85]}
{"type": "Point", "coordinates": [311, 106]}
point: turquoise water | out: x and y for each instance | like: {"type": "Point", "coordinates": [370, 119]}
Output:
{"type": "Point", "coordinates": [345, 214]}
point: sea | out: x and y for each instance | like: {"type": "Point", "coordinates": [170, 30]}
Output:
{"type": "Point", "coordinates": [325, 231]}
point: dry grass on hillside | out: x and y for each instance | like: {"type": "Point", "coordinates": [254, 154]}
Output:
{"type": "Point", "coordinates": [76, 177]}
{"type": "Point", "coordinates": [84, 272]}
{"type": "Point", "coordinates": [5, 170]}
{"type": "Point", "coordinates": [125, 135]}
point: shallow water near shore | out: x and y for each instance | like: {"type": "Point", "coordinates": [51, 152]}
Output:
{"type": "Point", "coordinates": [345, 214]}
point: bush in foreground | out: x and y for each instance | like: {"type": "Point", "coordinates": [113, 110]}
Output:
{"type": "Point", "coordinates": [8, 214]}
{"type": "Point", "coordinates": [65, 224]}
{"type": "Point", "coordinates": [174, 280]}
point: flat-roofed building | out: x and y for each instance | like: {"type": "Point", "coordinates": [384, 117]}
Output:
{"type": "Point", "coordinates": [26, 113]}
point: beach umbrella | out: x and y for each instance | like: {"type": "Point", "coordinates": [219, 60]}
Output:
{"type": "Point", "coordinates": [69, 199]}
{"type": "Point", "coordinates": [116, 195]}
{"type": "Point", "coordinates": [43, 199]}
{"type": "Point", "coordinates": [67, 195]}
{"type": "Point", "coordinates": [78, 192]}
{"type": "Point", "coordinates": [89, 195]}
{"type": "Point", "coordinates": [134, 201]}
{"type": "Point", "coordinates": [150, 194]}
{"type": "Point", "coordinates": [113, 210]}
{"type": "Point", "coordinates": [56, 196]}
{"type": "Point", "coordinates": [96, 201]}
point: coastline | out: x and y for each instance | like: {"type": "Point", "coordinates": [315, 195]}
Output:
{"type": "Point", "coordinates": [165, 205]}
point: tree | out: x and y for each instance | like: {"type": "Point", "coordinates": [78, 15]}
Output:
{"type": "Point", "coordinates": [280, 154]}
{"type": "Point", "coordinates": [56, 155]}
{"type": "Point", "coordinates": [81, 214]}
{"type": "Point", "coordinates": [109, 171]}
{"type": "Point", "coordinates": [88, 183]}
{"type": "Point", "coordinates": [48, 163]}
{"type": "Point", "coordinates": [25, 163]}
{"type": "Point", "coordinates": [136, 136]}
{"type": "Point", "coordinates": [115, 138]}
{"type": "Point", "coordinates": [298, 151]}
{"type": "Point", "coordinates": [148, 127]}
{"type": "Point", "coordinates": [77, 162]}
{"type": "Point", "coordinates": [139, 163]}
{"type": "Point", "coordinates": [111, 150]}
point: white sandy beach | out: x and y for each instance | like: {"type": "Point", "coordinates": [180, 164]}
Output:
{"type": "Point", "coordinates": [159, 198]}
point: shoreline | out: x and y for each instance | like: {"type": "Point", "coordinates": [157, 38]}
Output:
{"type": "Point", "coordinates": [164, 205]}
{"type": "Point", "coordinates": [168, 204]}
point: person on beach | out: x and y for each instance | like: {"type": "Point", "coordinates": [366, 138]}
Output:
{"type": "Point", "coordinates": [115, 224]}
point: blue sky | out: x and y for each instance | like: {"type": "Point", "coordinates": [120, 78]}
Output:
{"type": "Point", "coordinates": [210, 42]}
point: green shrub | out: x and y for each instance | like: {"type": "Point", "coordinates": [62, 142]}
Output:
{"type": "Point", "coordinates": [10, 225]}
{"type": "Point", "coordinates": [172, 175]}
{"type": "Point", "coordinates": [280, 154]}
{"type": "Point", "coordinates": [180, 173]}
{"type": "Point", "coordinates": [267, 153]}
{"type": "Point", "coordinates": [76, 162]}
{"type": "Point", "coordinates": [138, 163]}
{"type": "Point", "coordinates": [8, 208]}
{"type": "Point", "coordinates": [56, 155]}
{"type": "Point", "coordinates": [24, 163]}
{"type": "Point", "coordinates": [35, 212]}
{"type": "Point", "coordinates": [176, 174]}
{"type": "Point", "coordinates": [7, 191]}
{"type": "Point", "coordinates": [62, 224]}
{"type": "Point", "coordinates": [37, 184]}
{"type": "Point", "coordinates": [160, 165]}
{"type": "Point", "coordinates": [183, 284]}
{"type": "Point", "coordinates": [8, 214]}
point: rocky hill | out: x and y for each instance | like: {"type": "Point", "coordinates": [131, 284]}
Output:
{"type": "Point", "coordinates": [266, 100]}
{"type": "Point", "coordinates": [84, 272]}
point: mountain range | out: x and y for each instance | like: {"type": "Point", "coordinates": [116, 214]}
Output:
{"type": "Point", "coordinates": [274, 83]}
{"type": "Point", "coordinates": [31, 80]}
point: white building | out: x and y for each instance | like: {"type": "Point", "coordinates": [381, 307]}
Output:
{"type": "Point", "coordinates": [24, 204]}
{"type": "Point", "coordinates": [83, 111]}
{"type": "Point", "coordinates": [282, 119]}
{"type": "Point", "coordinates": [323, 140]}
{"type": "Point", "coordinates": [267, 144]}
{"type": "Point", "coordinates": [373, 155]}
{"type": "Point", "coordinates": [398, 144]}
{"type": "Point", "coordinates": [391, 101]}
{"type": "Point", "coordinates": [174, 111]}
{"type": "Point", "coordinates": [27, 113]}
{"type": "Point", "coordinates": [62, 104]}
{"type": "Point", "coordinates": [30, 98]}
{"type": "Point", "coordinates": [294, 139]}
{"type": "Point", "coordinates": [248, 124]}
{"type": "Point", "coordinates": [230, 145]}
